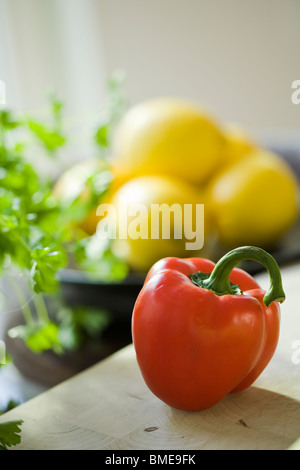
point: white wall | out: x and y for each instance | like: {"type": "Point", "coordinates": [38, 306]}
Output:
{"type": "Point", "coordinates": [237, 57]}
{"type": "Point", "coordinates": [51, 44]}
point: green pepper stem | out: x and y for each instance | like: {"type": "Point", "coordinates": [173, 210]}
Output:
{"type": "Point", "coordinates": [218, 280]}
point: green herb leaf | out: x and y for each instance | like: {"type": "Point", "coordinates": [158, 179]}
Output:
{"type": "Point", "coordinates": [45, 264]}
{"type": "Point", "coordinates": [8, 120]}
{"type": "Point", "coordinates": [51, 139]}
{"type": "Point", "coordinates": [102, 135]}
{"type": "Point", "coordinates": [115, 107]}
{"type": "Point", "coordinates": [10, 434]}
{"type": "Point", "coordinates": [95, 257]}
{"type": "Point", "coordinates": [39, 337]}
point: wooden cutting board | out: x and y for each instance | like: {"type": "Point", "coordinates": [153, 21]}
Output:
{"type": "Point", "coordinates": [109, 407]}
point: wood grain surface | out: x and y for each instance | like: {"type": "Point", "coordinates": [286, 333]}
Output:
{"type": "Point", "coordinates": [108, 406]}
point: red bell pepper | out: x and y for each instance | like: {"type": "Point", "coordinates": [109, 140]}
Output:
{"type": "Point", "coordinates": [202, 330]}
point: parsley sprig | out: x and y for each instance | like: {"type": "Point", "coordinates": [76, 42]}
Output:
{"type": "Point", "coordinates": [10, 434]}
{"type": "Point", "coordinates": [30, 235]}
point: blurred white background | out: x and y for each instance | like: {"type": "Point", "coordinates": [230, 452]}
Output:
{"type": "Point", "coordinates": [238, 58]}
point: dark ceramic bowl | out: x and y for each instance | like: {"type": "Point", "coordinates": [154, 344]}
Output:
{"type": "Point", "coordinates": [116, 297]}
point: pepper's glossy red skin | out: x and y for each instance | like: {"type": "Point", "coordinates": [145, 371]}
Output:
{"type": "Point", "coordinates": [193, 346]}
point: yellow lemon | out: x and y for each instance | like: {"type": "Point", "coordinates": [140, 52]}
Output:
{"type": "Point", "coordinates": [238, 144]}
{"type": "Point", "coordinates": [170, 137]}
{"type": "Point", "coordinates": [158, 216]}
{"type": "Point", "coordinates": [255, 201]}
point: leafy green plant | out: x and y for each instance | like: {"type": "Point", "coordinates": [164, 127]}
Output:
{"type": "Point", "coordinates": [37, 235]}
{"type": "Point", "coordinates": [30, 234]}
{"type": "Point", "coordinates": [30, 237]}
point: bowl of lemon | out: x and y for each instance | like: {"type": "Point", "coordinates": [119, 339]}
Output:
{"type": "Point", "coordinates": [177, 182]}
